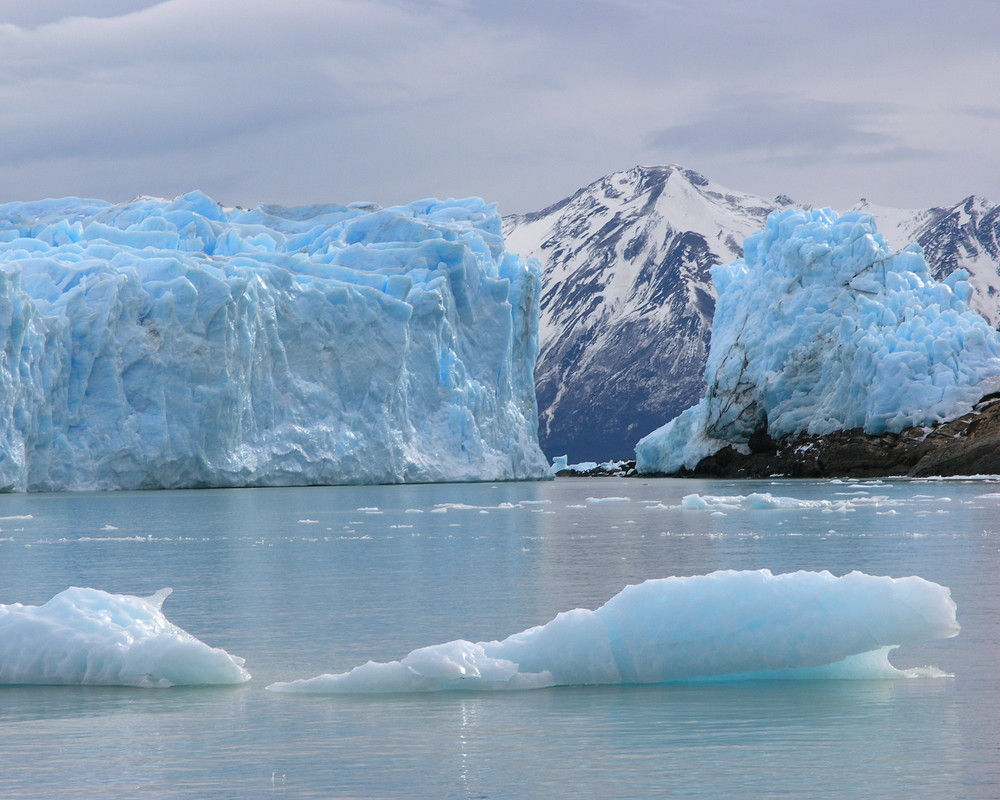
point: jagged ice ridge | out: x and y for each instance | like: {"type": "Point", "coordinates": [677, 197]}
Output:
{"type": "Point", "coordinates": [160, 344]}
{"type": "Point", "coordinates": [820, 327]}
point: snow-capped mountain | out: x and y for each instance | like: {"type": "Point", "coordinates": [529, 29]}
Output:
{"type": "Point", "coordinates": [627, 299]}
{"type": "Point", "coordinates": [966, 236]}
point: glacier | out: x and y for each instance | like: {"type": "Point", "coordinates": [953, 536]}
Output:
{"type": "Point", "coordinates": [177, 344]}
{"type": "Point", "coordinates": [821, 327]}
{"type": "Point", "coordinates": [91, 637]}
{"type": "Point", "coordinates": [727, 624]}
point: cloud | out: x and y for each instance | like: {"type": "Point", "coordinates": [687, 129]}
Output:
{"type": "Point", "coordinates": [784, 127]}
{"type": "Point", "coordinates": [983, 112]}
{"type": "Point", "coordinates": [522, 101]}
{"type": "Point", "coordinates": [43, 12]}
{"type": "Point", "coordinates": [305, 101]}
{"type": "Point", "coordinates": [185, 75]}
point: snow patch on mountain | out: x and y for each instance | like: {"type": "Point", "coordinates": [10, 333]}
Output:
{"type": "Point", "coordinates": [627, 301]}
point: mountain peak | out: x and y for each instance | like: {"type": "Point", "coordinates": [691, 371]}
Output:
{"type": "Point", "coordinates": [627, 297]}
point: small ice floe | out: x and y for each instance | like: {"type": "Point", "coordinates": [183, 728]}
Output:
{"type": "Point", "coordinates": [91, 637]}
{"type": "Point", "coordinates": [562, 467]}
{"type": "Point", "coordinates": [765, 501]}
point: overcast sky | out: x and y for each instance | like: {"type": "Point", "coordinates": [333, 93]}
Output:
{"type": "Point", "coordinates": [518, 101]}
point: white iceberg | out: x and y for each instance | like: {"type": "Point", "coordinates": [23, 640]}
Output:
{"type": "Point", "coordinates": [160, 344]}
{"type": "Point", "coordinates": [726, 624]}
{"type": "Point", "coordinates": [91, 637]}
{"type": "Point", "coordinates": [765, 501]}
{"type": "Point", "coordinates": [820, 327]}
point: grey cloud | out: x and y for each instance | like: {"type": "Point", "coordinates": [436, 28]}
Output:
{"type": "Point", "coordinates": [32, 13]}
{"type": "Point", "coordinates": [521, 102]}
{"type": "Point", "coordinates": [594, 18]}
{"type": "Point", "coordinates": [779, 126]}
{"type": "Point", "coordinates": [984, 112]}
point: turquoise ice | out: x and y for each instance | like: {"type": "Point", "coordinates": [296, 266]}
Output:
{"type": "Point", "coordinates": [726, 624]}
{"type": "Point", "coordinates": [167, 344]}
{"type": "Point", "coordinates": [821, 327]}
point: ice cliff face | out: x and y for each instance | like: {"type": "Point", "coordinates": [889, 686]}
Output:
{"type": "Point", "coordinates": [178, 344]}
{"type": "Point", "coordinates": [821, 327]}
{"type": "Point", "coordinates": [628, 301]}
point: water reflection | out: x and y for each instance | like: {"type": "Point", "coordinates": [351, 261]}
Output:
{"type": "Point", "coordinates": [303, 581]}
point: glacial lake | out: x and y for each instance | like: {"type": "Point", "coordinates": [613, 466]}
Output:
{"type": "Point", "coordinates": [312, 580]}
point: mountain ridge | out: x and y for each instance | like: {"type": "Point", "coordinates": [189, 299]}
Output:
{"type": "Point", "coordinates": [627, 297]}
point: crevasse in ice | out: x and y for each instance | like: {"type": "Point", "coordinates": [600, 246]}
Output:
{"type": "Point", "coordinates": [820, 327]}
{"type": "Point", "coordinates": [723, 625]}
{"type": "Point", "coordinates": [159, 344]}
{"type": "Point", "coordinates": [91, 637]}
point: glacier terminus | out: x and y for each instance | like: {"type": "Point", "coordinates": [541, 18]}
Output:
{"type": "Point", "coordinates": [180, 344]}
{"type": "Point", "coordinates": [821, 327]}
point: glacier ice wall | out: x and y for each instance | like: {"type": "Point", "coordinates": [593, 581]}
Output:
{"type": "Point", "coordinates": [725, 624]}
{"type": "Point", "coordinates": [91, 637]}
{"type": "Point", "coordinates": [159, 344]}
{"type": "Point", "coordinates": [820, 327]}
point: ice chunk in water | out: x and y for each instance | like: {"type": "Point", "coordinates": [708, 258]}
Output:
{"type": "Point", "coordinates": [725, 624]}
{"type": "Point", "coordinates": [91, 637]}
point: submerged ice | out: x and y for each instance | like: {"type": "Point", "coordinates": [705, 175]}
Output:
{"type": "Point", "coordinates": [725, 624]}
{"type": "Point", "coordinates": [179, 344]}
{"type": "Point", "coordinates": [820, 327]}
{"type": "Point", "coordinates": [91, 637]}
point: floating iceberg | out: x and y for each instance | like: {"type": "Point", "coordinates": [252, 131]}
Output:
{"type": "Point", "coordinates": [765, 501]}
{"type": "Point", "coordinates": [726, 624]}
{"type": "Point", "coordinates": [162, 344]}
{"type": "Point", "coordinates": [821, 328]}
{"type": "Point", "coordinates": [90, 637]}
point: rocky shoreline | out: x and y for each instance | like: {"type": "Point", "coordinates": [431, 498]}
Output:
{"type": "Point", "coordinates": [969, 445]}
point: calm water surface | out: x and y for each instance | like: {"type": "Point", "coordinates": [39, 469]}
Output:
{"type": "Point", "coordinates": [305, 581]}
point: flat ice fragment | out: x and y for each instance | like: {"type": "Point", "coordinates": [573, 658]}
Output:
{"type": "Point", "coordinates": [92, 637]}
{"type": "Point", "coordinates": [727, 624]}
{"type": "Point", "coordinates": [765, 501]}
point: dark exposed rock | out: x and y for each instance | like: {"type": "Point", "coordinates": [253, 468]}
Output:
{"type": "Point", "coordinates": [969, 445]}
